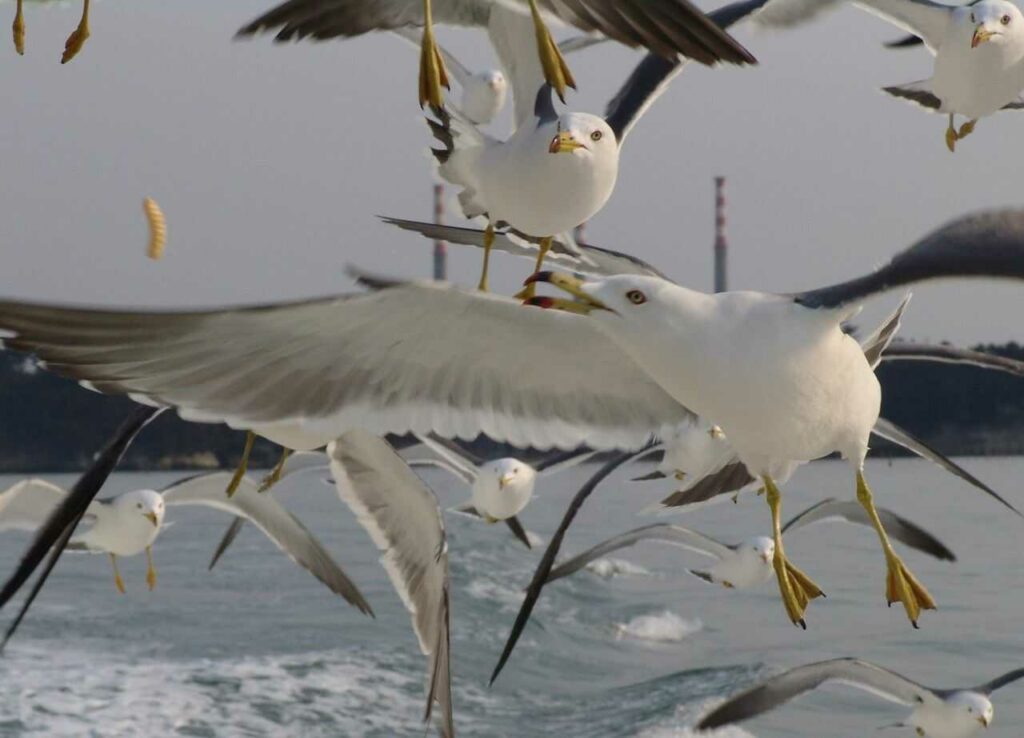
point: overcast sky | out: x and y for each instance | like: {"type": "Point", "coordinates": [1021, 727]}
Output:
{"type": "Point", "coordinates": [271, 163]}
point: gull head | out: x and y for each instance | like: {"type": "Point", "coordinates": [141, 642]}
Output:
{"type": "Point", "coordinates": [496, 82]}
{"type": "Point", "coordinates": [627, 297]}
{"type": "Point", "coordinates": [760, 548]}
{"type": "Point", "coordinates": [584, 135]}
{"type": "Point", "coordinates": [143, 502]}
{"type": "Point", "coordinates": [994, 22]}
{"type": "Point", "coordinates": [503, 487]}
{"type": "Point", "coordinates": [510, 474]}
{"type": "Point", "coordinates": [972, 709]}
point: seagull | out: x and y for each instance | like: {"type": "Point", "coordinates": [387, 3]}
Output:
{"type": "Point", "coordinates": [747, 564]}
{"type": "Point", "coordinates": [937, 713]}
{"type": "Point", "coordinates": [130, 523]}
{"type": "Point", "coordinates": [502, 487]}
{"type": "Point", "coordinates": [556, 171]}
{"type": "Point", "coordinates": [73, 44]}
{"type": "Point", "coordinates": [667, 27]}
{"type": "Point", "coordinates": [402, 517]}
{"type": "Point", "coordinates": [978, 48]}
{"type": "Point", "coordinates": [435, 358]}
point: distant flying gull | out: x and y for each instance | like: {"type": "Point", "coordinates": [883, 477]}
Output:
{"type": "Point", "coordinates": [978, 48]}
{"type": "Point", "coordinates": [429, 357]}
{"type": "Point", "coordinates": [129, 524]}
{"type": "Point", "coordinates": [74, 42]}
{"type": "Point", "coordinates": [667, 27]}
{"type": "Point", "coordinates": [500, 488]}
{"type": "Point", "coordinates": [402, 517]}
{"type": "Point", "coordinates": [749, 563]}
{"type": "Point", "coordinates": [937, 713]}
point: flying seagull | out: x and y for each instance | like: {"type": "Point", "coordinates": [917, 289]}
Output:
{"type": "Point", "coordinates": [402, 517]}
{"type": "Point", "coordinates": [978, 48]}
{"type": "Point", "coordinates": [937, 713]}
{"type": "Point", "coordinates": [129, 523]}
{"type": "Point", "coordinates": [500, 488]}
{"type": "Point", "coordinates": [746, 564]}
{"type": "Point", "coordinates": [428, 357]}
{"type": "Point", "coordinates": [667, 27]}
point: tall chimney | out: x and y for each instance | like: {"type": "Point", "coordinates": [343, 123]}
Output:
{"type": "Point", "coordinates": [440, 247]}
{"type": "Point", "coordinates": [721, 283]}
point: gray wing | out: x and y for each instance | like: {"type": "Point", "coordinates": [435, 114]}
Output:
{"type": "Point", "coordinates": [667, 27]}
{"type": "Point", "coordinates": [730, 478]}
{"type": "Point", "coordinates": [657, 532]}
{"type": "Point", "coordinates": [558, 461]}
{"type": "Point", "coordinates": [403, 519]}
{"type": "Point", "coordinates": [985, 244]}
{"type": "Point", "coordinates": [27, 504]}
{"type": "Point", "coordinates": [780, 689]}
{"type": "Point", "coordinates": [897, 527]}
{"type": "Point", "coordinates": [452, 451]}
{"type": "Point", "coordinates": [653, 74]}
{"type": "Point", "coordinates": [580, 258]}
{"type": "Point", "coordinates": [892, 432]}
{"type": "Point", "coordinates": [905, 351]}
{"type": "Point", "coordinates": [906, 42]}
{"type": "Point", "coordinates": [455, 471]}
{"type": "Point", "coordinates": [420, 357]}
{"type": "Point", "coordinates": [1000, 681]}
{"type": "Point", "coordinates": [579, 43]}
{"type": "Point", "coordinates": [875, 344]}
{"type": "Point", "coordinates": [279, 525]}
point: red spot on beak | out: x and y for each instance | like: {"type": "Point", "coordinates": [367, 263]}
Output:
{"type": "Point", "coordinates": [541, 302]}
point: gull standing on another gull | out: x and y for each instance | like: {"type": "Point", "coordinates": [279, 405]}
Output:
{"type": "Point", "coordinates": [428, 357]}
{"type": "Point", "coordinates": [666, 27]}
{"type": "Point", "coordinates": [501, 488]}
{"type": "Point", "coordinates": [402, 517]}
{"type": "Point", "coordinates": [978, 48]}
{"type": "Point", "coordinates": [129, 523]}
{"type": "Point", "coordinates": [937, 713]}
{"type": "Point", "coordinates": [749, 563]}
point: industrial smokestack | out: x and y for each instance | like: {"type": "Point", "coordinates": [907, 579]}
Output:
{"type": "Point", "coordinates": [721, 245]}
{"type": "Point", "coordinates": [440, 247]}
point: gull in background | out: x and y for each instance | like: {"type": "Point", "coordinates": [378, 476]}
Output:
{"type": "Point", "coordinates": [667, 27]}
{"type": "Point", "coordinates": [403, 519]}
{"type": "Point", "coordinates": [937, 713]}
{"type": "Point", "coordinates": [978, 49]}
{"type": "Point", "coordinates": [129, 523]}
{"type": "Point", "coordinates": [749, 563]}
{"type": "Point", "coordinates": [500, 488]}
{"type": "Point", "coordinates": [427, 357]}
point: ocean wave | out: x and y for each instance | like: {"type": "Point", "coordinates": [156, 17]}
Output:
{"type": "Point", "coordinates": [665, 626]}
{"type": "Point", "coordinates": [608, 568]}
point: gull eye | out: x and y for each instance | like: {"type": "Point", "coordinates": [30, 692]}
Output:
{"type": "Point", "coordinates": [596, 136]}
{"type": "Point", "coordinates": [1005, 20]}
{"type": "Point", "coordinates": [636, 297]}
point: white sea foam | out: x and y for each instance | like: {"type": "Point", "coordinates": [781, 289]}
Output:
{"type": "Point", "coordinates": [609, 568]}
{"type": "Point", "coordinates": [681, 724]}
{"type": "Point", "coordinates": [662, 627]}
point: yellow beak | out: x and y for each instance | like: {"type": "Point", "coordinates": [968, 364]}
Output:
{"type": "Point", "coordinates": [564, 143]}
{"type": "Point", "coordinates": [502, 481]}
{"type": "Point", "coordinates": [984, 721]}
{"type": "Point", "coordinates": [151, 517]}
{"type": "Point", "coordinates": [567, 283]}
{"type": "Point", "coordinates": [716, 432]}
{"type": "Point", "coordinates": [981, 35]}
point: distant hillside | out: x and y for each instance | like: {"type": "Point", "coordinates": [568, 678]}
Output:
{"type": "Point", "coordinates": [52, 424]}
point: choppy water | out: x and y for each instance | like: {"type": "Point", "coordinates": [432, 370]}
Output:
{"type": "Point", "coordinates": [259, 648]}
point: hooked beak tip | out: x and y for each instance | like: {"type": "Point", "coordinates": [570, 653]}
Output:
{"type": "Point", "coordinates": [151, 517]}
{"type": "Point", "coordinates": [981, 35]}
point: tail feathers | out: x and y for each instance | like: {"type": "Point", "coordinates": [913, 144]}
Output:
{"type": "Point", "coordinates": [917, 92]}
{"type": "Point", "coordinates": [789, 13]}
{"type": "Point", "coordinates": [458, 157]}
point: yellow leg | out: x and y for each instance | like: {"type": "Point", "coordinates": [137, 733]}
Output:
{"type": "Point", "coordinates": [118, 581]}
{"type": "Point", "coordinates": [797, 588]}
{"type": "Point", "coordinates": [556, 71]}
{"type": "Point", "coordinates": [531, 289]}
{"type": "Point", "coordinates": [967, 128]}
{"type": "Point", "coordinates": [900, 585]}
{"type": "Point", "coordinates": [19, 30]}
{"type": "Point", "coordinates": [77, 38]}
{"type": "Point", "coordinates": [243, 465]}
{"type": "Point", "coordinates": [275, 474]}
{"type": "Point", "coordinates": [433, 75]}
{"type": "Point", "coordinates": [488, 242]}
{"type": "Point", "coordinates": [150, 569]}
{"type": "Point", "coordinates": [951, 135]}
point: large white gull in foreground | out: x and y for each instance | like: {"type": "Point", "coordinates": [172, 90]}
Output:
{"type": "Point", "coordinates": [776, 372]}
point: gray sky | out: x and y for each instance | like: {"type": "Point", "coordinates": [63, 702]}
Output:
{"type": "Point", "coordinates": [271, 162]}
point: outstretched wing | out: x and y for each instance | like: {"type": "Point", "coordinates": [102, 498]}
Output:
{"type": "Point", "coordinates": [402, 517]}
{"type": "Point", "coordinates": [665, 532]}
{"type": "Point", "coordinates": [28, 504]}
{"type": "Point", "coordinates": [279, 525]}
{"type": "Point", "coordinates": [944, 353]}
{"type": "Point", "coordinates": [780, 689]}
{"type": "Point", "coordinates": [419, 357]}
{"type": "Point", "coordinates": [1000, 681]}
